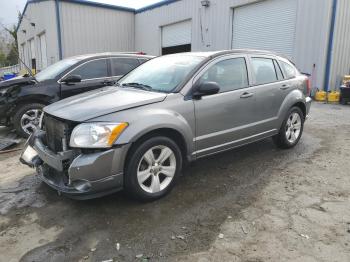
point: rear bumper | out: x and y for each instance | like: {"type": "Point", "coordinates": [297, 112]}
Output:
{"type": "Point", "coordinates": [74, 173]}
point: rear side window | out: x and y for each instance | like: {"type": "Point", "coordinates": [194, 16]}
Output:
{"type": "Point", "coordinates": [229, 74]}
{"type": "Point", "coordinates": [278, 70]}
{"type": "Point", "coordinates": [122, 66]}
{"type": "Point", "coordinates": [288, 70]}
{"type": "Point", "coordinates": [92, 69]}
{"type": "Point", "coordinates": [264, 71]}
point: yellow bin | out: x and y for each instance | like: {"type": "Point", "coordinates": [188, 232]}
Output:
{"type": "Point", "coordinates": [320, 96]}
{"type": "Point", "coordinates": [333, 96]}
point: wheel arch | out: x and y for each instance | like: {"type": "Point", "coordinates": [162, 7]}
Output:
{"type": "Point", "coordinates": [294, 98]}
{"type": "Point", "coordinates": [171, 133]}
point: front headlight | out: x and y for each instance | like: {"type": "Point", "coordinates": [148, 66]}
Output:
{"type": "Point", "coordinates": [96, 135]}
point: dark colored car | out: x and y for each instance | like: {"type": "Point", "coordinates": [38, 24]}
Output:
{"type": "Point", "coordinates": [22, 98]}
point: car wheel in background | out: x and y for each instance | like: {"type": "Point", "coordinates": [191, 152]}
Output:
{"type": "Point", "coordinates": [27, 118]}
{"type": "Point", "coordinates": [291, 129]}
{"type": "Point", "coordinates": [153, 168]}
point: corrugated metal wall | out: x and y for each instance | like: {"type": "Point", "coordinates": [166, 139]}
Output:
{"type": "Point", "coordinates": [212, 29]}
{"type": "Point", "coordinates": [89, 29]}
{"type": "Point", "coordinates": [44, 16]}
{"type": "Point", "coordinates": [341, 45]}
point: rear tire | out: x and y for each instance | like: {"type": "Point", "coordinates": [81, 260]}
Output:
{"type": "Point", "coordinates": [291, 129]}
{"type": "Point", "coordinates": [152, 168]}
{"type": "Point", "coordinates": [26, 118]}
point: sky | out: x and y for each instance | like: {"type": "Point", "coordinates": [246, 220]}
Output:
{"type": "Point", "coordinates": [9, 8]}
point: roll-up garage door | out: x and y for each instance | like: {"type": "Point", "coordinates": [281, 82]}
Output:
{"type": "Point", "coordinates": [268, 25]}
{"type": "Point", "coordinates": [176, 37]}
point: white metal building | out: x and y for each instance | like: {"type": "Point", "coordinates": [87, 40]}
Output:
{"type": "Point", "coordinates": [50, 30]}
{"type": "Point", "coordinates": [315, 34]}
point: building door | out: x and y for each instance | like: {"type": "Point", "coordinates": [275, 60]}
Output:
{"type": "Point", "coordinates": [43, 52]}
{"type": "Point", "coordinates": [268, 25]}
{"type": "Point", "coordinates": [176, 38]}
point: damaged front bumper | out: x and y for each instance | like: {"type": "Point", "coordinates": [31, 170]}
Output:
{"type": "Point", "coordinates": [73, 173]}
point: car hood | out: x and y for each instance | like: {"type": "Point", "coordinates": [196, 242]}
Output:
{"type": "Point", "coordinates": [101, 102]}
{"type": "Point", "coordinates": [15, 81]}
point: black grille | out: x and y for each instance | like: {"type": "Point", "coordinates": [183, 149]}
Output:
{"type": "Point", "coordinates": [56, 130]}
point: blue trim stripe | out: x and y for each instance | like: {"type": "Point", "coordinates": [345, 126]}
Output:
{"type": "Point", "coordinates": [330, 47]}
{"type": "Point", "coordinates": [156, 5]}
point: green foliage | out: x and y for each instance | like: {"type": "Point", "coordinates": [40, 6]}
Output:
{"type": "Point", "coordinates": [3, 59]}
{"type": "Point", "coordinates": [12, 57]}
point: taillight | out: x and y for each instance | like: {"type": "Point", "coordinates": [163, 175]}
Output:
{"type": "Point", "coordinates": [308, 86]}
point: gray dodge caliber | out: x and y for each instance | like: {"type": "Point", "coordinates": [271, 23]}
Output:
{"type": "Point", "coordinates": [171, 110]}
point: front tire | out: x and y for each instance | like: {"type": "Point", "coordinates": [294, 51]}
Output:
{"type": "Point", "coordinates": [291, 129]}
{"type": "Point", "coordinates": [27, 118]}
{"type": "Point", "coordinates": [153, 168]}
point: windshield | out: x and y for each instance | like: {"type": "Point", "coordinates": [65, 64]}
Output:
{"type": "Point", "coordinates": [54, 70]}
{"type": "Point", "coordinates": [162, 74]}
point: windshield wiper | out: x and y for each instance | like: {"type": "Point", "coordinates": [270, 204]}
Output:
{"type": "Point", "coordinates": [138, 85]}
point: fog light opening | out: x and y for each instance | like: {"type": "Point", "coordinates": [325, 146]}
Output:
{"type": "Point", "coordinates": [81, 185]}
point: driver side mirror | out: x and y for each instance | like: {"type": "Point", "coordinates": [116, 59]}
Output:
{"type": "Point", "coordinates": [71, 79]}
{"type": "Point", "coordinates": [206, 89]}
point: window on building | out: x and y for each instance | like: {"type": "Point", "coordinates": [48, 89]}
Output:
{"type": "Point", "coordinates": [122, 66]}
{"type": "Point", "coordinates": [230, 74]}
{"type": "Point", "coordinates": [264, 70]}
{"type": "Point", "coordinates": [288, 69]}
{"type": "Point", "coordinates": [92, 69]}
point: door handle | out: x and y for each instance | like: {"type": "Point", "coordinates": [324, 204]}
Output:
{"type": "Point", "coordinates": [246, 95]}
{"type": "Point", "coordinates": [284, 87]}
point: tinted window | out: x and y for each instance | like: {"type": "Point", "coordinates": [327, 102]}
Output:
{"type": "Point", "coordinates": [230, 74]}
{"type": "Point", "coordinates": [264, 70]}
{"type": "Point", "coordinates": [278, 70]}
{"type": "Point", "coordinates": [92, 69]}
{"type": "Point", "coordinates": [289, 70]}
{"type": "Point", "coordinates": [122, 66]}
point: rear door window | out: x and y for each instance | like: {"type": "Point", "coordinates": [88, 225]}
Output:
{"type": "Point", "coordinates": [230, 74]}
{"type": "Point", "coordinates": [264, 70]}
{"type": "Point", "coordinates": [91, 70]}
{"type": "Point", "coordinates": [288, 70]}
{"type": "Point", "coordinates": [122, 66]}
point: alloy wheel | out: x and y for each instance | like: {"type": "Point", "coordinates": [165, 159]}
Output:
{"type": "Point", "coordinates": [293, 127]}
{"type": "Point", "coordinates": [30, 120]}
{"type": "Point", "coordinates": [156, 169]}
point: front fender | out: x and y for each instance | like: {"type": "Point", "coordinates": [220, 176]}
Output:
{"type": "Point", "coordinates": [294, 97]}
{"type": "Point", "coordinates": [152, 119]}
